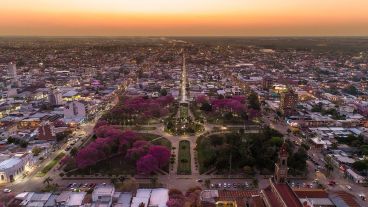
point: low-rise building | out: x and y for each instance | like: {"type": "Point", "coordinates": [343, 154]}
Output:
{"type": "Point", "coordinates": [11, 169]}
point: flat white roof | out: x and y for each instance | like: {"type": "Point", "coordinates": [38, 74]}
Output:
{"type": "Point", "coordinates": [138, 200]}
{"type": "Point", "coordinates": [159, 197]}
{"type": "Point", "coordinates": [22, 196]}
{"type": "Point", "coordinates": [142, 196]}
{"type": "Point", "coordinates": [76, 199]}
{"type": "Point", "coordinates": [144, 193]}
{"type": "Point", "coordinates": [104, 189]}
{"type": "Point", "coordinates": [125, 199]}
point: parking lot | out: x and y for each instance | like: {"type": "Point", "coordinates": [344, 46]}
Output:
{"type": "Point", "coordinates": [78, 186]}
{"type": "Point", "coordinates": [232, 184]}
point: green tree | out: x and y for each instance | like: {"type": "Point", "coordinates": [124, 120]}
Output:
{"type": "Point", "coordinates": [163, 92]}
{"type": "Point", "coordinates": [207, 183]}
{"type": "Point", "coordinates": [352, 90]}
{"type": "Point", "coordinates": [23, 143]}
{"type": "Point", "coordinates": [153, 181]}
{"type": "Point", "coordinates": [248, 171]}
{"type": "Point", "coordinates": [36, 151]}
{"type": "Point", "coordinates": [47, 181]}
{"type": "Point", "coordinates": [297, 161]}
{"type": "Point", "coordinates": [73, 151]}
{"type": "Point", "coordinates": [329, 165]}
{"type": "Point", "coordinates": [360, 165]}
{"type": "Point", "coordinates": [253, 101]}
{"type": "Point", "coordinates": [206, 107]}
{"type": "Point", "coordinates": [255, 182]}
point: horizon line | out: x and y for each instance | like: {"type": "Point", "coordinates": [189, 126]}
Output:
{"type": "Point", "coordinates": [170, 36]}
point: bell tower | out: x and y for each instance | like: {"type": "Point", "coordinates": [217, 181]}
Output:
{"type": "Point", "coordinates": [281, 168]}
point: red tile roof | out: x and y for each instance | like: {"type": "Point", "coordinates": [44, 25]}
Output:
{"type": "Point", "coordinates": [271, 197]}
{"type": "Point", "coordinates": [240, 196]}
{"type": "Point", "coordinates": [237, 193]}
{"type": "Point", "coordinates": [310, 193]}
{"type": "Point", "coordinates": [257, 201]}
{"type": "Point", "coordinates": [288, 195]}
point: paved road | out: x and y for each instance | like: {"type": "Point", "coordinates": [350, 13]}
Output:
{"type": "Point", "coordinates": [34, 183]}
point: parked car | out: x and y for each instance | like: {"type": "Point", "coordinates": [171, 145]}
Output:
{"type": "Point", "coordinates": [7, 190]}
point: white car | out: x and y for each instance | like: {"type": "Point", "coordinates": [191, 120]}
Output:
{"type": "Point", "coordinates": [6, 190]}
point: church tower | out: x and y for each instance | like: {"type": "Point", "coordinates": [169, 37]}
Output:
{"type": "Point", "coordinates": [281, 168]}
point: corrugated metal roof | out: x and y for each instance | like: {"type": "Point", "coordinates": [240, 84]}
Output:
{"type": "Point", "coordinates": [9, 163]}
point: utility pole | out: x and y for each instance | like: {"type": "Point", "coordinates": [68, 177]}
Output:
{"type": "Point", "coordinates": [230, 158]}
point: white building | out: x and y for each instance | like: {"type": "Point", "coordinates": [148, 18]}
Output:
{"type": "Point", "coordinates": [102, 195]}
{"type": "Point", "coordinates": [11, 169]}
{"type": "Point", "coordinates": [159, 197]}
{"type": "Point", "coordinates": [55, 98]}
{"type": "Point", "coordinates": [70, 199]}
{"type": "Point", "coordinates": [74, 112]}
{"type": "Point", "coordinates": [12, 70]}
{"type": "Point", "coordinates": [142, 196]}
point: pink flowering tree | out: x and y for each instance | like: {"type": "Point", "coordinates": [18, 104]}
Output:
{"type": "Point", "coordinates": [100, 123]}
{"type": "Point", "coordinates": [229, 104]}
{"type": "Point", "coordinates": [161, 153]}
{"type": "Point", "coordinates": [147, 164]}
{"type": "Point", "coordinates": [202, 99]}
{"type": "Point", "coordinates": [172, 202]}
{"type": "Point", "coordinates": [102, 130]}
{"type": "Point", "coordinates": [88, 156]}
{"type": "Point", "coordinates": [140, 108]}
{"type": "Point", "coordinates": [252, 114]}
{"type": "Point", "coordinates": [95, 151]}
{"type": "Point", "coordinates": [176, 198]}
{"type": "Point", "coordinates": [135, 153]}
{"type": "Point", "coordinates": [139, 149]}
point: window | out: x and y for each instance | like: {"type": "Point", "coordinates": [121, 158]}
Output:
{"type": "Point", "coordinates": [283, 162]}
{"type": "Point", "coordinates": [2, 177]}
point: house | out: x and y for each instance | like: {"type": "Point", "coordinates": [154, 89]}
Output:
{"type": "Point", "coordinates": [46, 131]}
{"type": "Point", "coordinates": [317, 197]}
{"type": "Point", "coordinates": [70, 199]}
{"type": "Point", "coordinates": [102, 195]}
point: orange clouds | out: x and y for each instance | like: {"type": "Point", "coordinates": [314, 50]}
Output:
{"type": "Point", "coordinates": [291, 20]}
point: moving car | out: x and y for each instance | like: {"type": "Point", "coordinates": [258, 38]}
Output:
{"type": "Point", "coordinates": [348, 187]}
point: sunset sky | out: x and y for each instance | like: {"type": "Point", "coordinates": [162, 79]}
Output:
{"type": "Point", "coordinates": [184, 17]}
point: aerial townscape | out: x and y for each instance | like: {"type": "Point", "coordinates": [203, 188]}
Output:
{"type": "Point", "coordinates": [174, 122]}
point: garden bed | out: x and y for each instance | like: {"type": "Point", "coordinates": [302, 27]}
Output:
{"type": "Point", "coordinates": [184, 160]}
{"type": "Point", "coordinates": [50, 165]}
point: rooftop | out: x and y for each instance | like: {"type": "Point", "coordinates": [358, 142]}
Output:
{"type": "Point", "coordinates": [9, 163]}
{"type": "Point", "coordinates": [287, 195]}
